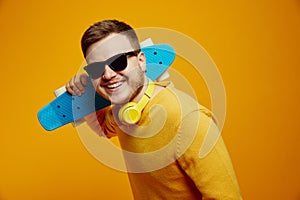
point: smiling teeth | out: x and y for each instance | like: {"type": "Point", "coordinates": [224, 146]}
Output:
{"type": "Point", "coordinates": [114, 85]}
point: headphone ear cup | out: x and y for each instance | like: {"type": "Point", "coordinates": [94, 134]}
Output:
{"type": "Point", "coordinates": [129, 113]}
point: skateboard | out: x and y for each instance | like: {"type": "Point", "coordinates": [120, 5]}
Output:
{"type": "Point", "coordinates": [66, 108]}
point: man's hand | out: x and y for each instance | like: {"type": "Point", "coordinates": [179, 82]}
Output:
{"type": "Point", "coordinates": [76, 85]}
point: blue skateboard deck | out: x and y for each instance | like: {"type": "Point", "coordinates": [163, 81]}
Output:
{"type": "Point", "coordinates": [67, 108]}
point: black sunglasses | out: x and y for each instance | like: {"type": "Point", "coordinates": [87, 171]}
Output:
{"type": "Point", "coordinates": [117, 63]}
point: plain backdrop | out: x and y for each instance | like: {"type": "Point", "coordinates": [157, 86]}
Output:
{"type": "Point", "coordinates": [255, 45]}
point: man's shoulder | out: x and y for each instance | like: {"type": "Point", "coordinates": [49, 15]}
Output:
{"type": "Point", "coordinates": [179, 105]}
{"type": "Point", "coordinates": [173, 97]}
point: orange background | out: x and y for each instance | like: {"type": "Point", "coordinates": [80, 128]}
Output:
{"type": "Point", "coordinates": [255, 44]}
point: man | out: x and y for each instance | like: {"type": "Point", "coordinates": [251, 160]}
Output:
{"type": "Point", "coordinates": [161, 124]}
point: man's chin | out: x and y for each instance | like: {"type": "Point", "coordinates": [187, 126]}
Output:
{"type": "Point", "coordinates": [115, 99]}
{"type": "Point", "coordinates": [118, 100]}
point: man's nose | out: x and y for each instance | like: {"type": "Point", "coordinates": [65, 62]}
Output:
{"type": "Point", "coordinates": [108, 73]}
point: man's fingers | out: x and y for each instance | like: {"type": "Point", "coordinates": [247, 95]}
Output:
{"type": "Point", "coordinates": [83, 79]}
{"type": "Point", "coordinates": [80, 81]}
{"type": "Point", "coordinates": [76, 85]}
{"type": "Point", "coordinates": [69, 88]}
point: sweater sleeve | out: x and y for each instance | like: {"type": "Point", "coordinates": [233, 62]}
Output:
{"type": "Point", "coordinates": [99, 123]}
{"type": "Point", "coordinates": [212, 174]}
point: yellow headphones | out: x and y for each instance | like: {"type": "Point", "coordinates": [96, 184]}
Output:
{"type": "Point", "coordinates": [130, 113]}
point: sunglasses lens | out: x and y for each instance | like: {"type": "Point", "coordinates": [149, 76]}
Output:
{"type": "Point", "coordinates": [119, 63]}
{"type": "Point", "coordinates": [95, 70]}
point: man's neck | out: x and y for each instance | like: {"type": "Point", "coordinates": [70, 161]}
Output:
{"type": "Point", "coordinates": [141, 91]}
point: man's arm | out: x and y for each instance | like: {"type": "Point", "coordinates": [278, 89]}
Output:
{"type": "Point", "coordinates": [213, 174]}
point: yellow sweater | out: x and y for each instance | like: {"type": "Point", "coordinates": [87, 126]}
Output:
{"type": "Point", "coordinates": [162, 151]}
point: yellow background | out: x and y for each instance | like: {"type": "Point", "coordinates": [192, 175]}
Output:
{"type": "Point", "coordinates": [255, 44]}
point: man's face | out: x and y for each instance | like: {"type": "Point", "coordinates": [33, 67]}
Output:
{"type": "Point", "coordinates": [119, 87]}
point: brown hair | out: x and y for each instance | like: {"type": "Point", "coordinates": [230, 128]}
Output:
{"type": "Point", "coordinates": [102, 29]}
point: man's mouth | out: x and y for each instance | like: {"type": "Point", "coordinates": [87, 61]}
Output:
{"type": "Point", "coordinates": [114, 85]}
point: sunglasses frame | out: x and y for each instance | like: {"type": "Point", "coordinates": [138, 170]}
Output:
{"type": "Point", "coordinates": [96, 69]}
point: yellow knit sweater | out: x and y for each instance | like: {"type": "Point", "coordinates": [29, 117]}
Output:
{"type": "Point", "coordinates": [162, 151]}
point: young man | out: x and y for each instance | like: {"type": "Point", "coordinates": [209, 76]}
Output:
{"type": "Point", "coordinates": [161, 124]}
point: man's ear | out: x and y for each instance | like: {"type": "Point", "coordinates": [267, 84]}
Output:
{"type": "Point", "coordinates": [142, 60]}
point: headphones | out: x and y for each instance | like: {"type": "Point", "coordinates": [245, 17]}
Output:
{"type": "Point", "coordinates": [130, 113]}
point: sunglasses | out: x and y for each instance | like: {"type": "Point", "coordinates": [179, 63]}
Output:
{"type": "Point", "coordinates": [117, 63]}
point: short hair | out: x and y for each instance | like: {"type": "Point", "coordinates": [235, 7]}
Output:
{"type": "Point", "coordinates": [102, 29]}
